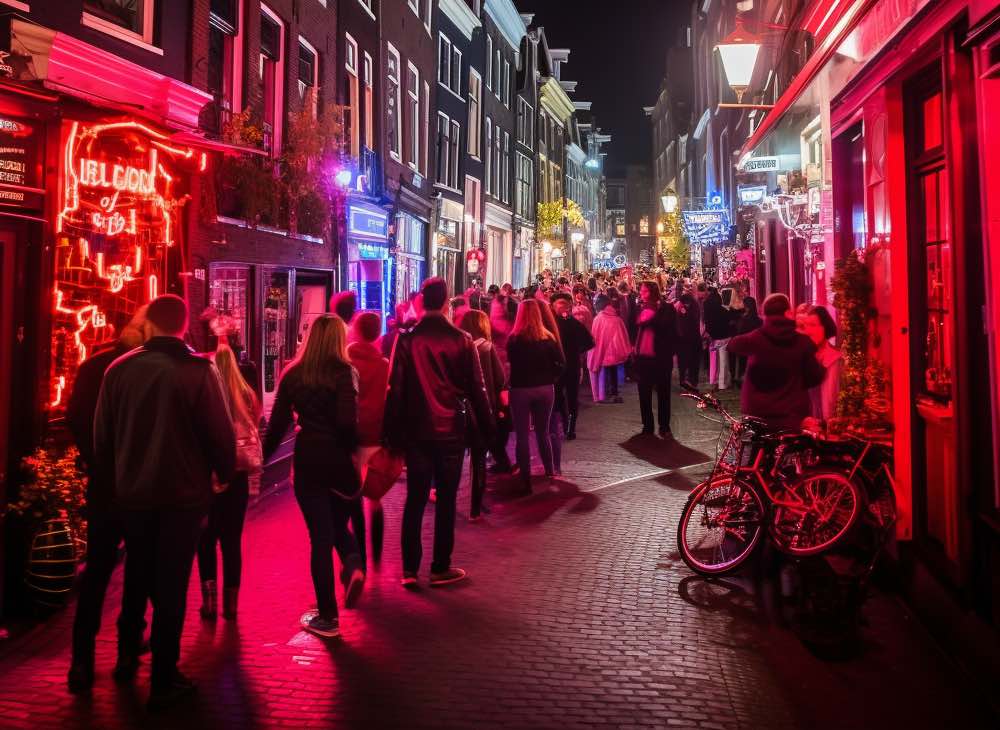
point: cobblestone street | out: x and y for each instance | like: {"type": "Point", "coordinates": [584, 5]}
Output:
{"type": "Point", "coordinates": [578, 613]}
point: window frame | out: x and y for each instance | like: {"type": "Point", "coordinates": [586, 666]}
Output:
{"type": "Point", "coordinates": [278, 92]}
{"type": "Point", "coordinates": [506, 83]}
{"type": "Point", "coordinates": [475, 114]}
{"type": "Point", "coordinates": [353, 92]}
{"type": "Point", "coordinates": [489, 63]}
{"type": "Point", "coordinates": [143, 39]}
{"type": "Point", "coordinates": [488, 157]}
{"type": "Point", "coordinates": [303, 43]}
{"type": "Point", "coordinates": [456, 153]}
{"type": "Point", "coordinates": [414, 116]}
{"type": "Point", "coordinates": [396, 154]}
{"type": "Point", "coordinates": [368, 66]}
{"type": "Point", "coordinates": [443, 168]}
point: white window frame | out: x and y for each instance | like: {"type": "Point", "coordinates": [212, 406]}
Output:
{"type": "Point", "coordinates": [489, 63]}
{"type": "Point", "coordinates": [448, 71]}
{"type": "Point", "coordinates": [475, 135]}
{"type": "Point", "coordinates": [488, 156]}
{"type": "Point", "coordinates": [457, 92]}
{"type": "Point", "coordinates": [315, 79]}
{"type": "Point", "coordinates": [506, 83]}
{"type": "Point", "coordinates": [428, 11]}
{"type": "Point", "coordinates": [413, 132]}
{"type": "Point", "coordinates": [414, 6]}
{"type": "Point", "coordinates": [444, 71]}
{"type": "Point", "coordinates": [526, 123]}
{"type": "Point", "coordinates": [443, 149]}
{"type": "Point", "coordinates": [367, 6]}
{"type": "Point", "coordinates": [369, 100]}
{"type": "Point", "coordinates": [497, 131]}
{"type": "Point", "coordinates": [456, 154]}
{"type": "Point", "coordinates": [427, 124]}
{"type": "Point", "coordinates": [497, 80]}
{"type": "Point", "coordinates": [398, 132]}
{"type": "Point", "coordinates": [505, 169]}
{"type": "Point", "coordinates": [143, 40]}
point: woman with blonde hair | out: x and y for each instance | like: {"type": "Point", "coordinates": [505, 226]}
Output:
{"type": "Point", "coordinates": [559, 417]}
{"type": "Point", "coordinates": [229, 506]}
{"type": "Point", "coordinates": [536, 362]}
{"type": "Point", "coordinates": [320, 388]}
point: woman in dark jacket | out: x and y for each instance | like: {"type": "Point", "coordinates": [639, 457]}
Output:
{"type": "Point", "coordinates": [320, 387]}
{"type": "Point", "coordinates": [477, 324]}
{"type": "Point", "coordinates": [536, 362]}
{"type": "Point", "coordinates": [747, 323]}
{"type": "Point", "coordinates": [688, 338]}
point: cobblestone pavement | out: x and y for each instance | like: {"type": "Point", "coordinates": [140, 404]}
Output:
{"type": "Point", "coordinates": [578, 614]}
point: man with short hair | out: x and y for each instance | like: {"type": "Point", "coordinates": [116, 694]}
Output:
{"type": "Point", "coordinates": [576, 340]}
{"type": "Point", "coordinates": [162, 428]}
{"type": "Point", "coordinates": [436, 402]}
{"type": "Point", "coordinates": [781, 368]}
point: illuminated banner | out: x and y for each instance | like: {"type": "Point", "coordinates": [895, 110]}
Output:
{"type": "Point", "coordinates": [752, 194]}
{"type": "Point", "coordinates": [367, 222]}
{"type": "Point", "coordinates": [117, 235]}
{"type": "Point", "coordinates": [761, 164]}
{"type": "Point", "coordinates": [706, 227]}
{"type": "Point", "coordinates": [19, 166]}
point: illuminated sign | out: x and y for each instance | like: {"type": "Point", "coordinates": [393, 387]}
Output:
{"type": "Point", "coordinates": [116, 234]}
{"type": "Point", "coordinates": [752, 194]}
{"type": "Point", "coordinates": [706, 227]}
{"type": "Point", "coordinates": [761, 164]}
{"type": "Point", "coordinates": [372, 251]}
{"type": "Point", "coordinates": [19, 168]}
{"type": "Point", "coordinates": [367, 222]}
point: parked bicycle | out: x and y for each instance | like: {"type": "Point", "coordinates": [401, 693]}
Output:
{"type": "Point", "coordinates": [765, 482]}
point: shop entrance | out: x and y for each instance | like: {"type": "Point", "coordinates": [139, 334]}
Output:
{"type": "Point", "coordinates": [311, 295]}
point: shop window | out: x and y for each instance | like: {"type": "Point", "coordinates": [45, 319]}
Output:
{"type": "Point", "coordinates": [131, 20]}
{"type": "Point", "coordinates": [229, 296]}
{"type": "Point", "coordinates": [938, 366]}
{"type": "Point", "coordinates": [275, 330]}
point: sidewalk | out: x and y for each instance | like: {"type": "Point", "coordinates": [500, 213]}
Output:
{"type": "Point", "coordinates": [578, 614]}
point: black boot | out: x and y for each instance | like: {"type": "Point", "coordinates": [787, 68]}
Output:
{"type": "Point", "coordinates": [209, 599]}
{"type": "Point", "coordinates": [571, 430]}
{"type": "Point", "coordinates": [230, 600]}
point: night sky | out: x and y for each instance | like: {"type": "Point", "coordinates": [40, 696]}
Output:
{"type": "Point", "coordinates": [618, 54]}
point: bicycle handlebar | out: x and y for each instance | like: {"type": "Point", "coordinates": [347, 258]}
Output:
{"type": "Point", "coordinates": [706, 400]}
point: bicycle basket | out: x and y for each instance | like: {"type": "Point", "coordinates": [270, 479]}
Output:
{"type": "Point", "coordinates": [734, 448]}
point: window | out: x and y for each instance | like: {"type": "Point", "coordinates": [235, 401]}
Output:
{"type": "Point", "coordinates": [428, 9]}
{"type": "Point", "coordinates": [367, 6]}
{"type": "Point", "coordinates": [505, 169]}
{"type": "Point", "coordinates": [448, 151]}
{"type": "Point", "coordinates": [449, 65]}
{"type": "Point", "coordinates": [308, 74]}
{"type": "Point", "coordinates": [369, 103]}
{"type": "Point", "coordinates": [496, 72]}
{"type": "Point", "coordinates": [489, 155]}
{"type": "Point", "coordinates": [393, 116]}
{"type": "Point", "coordinates": [413, 115]}
{"type": "Point", "coordinates": [414, 6]}
{"type": "Point", "coordinates": [427, 124]}
{"type": "Point", "coordinates": [644, 225]}
{"type": "Point", "coordinates": [497, 140]}
{"type": "Point", "coordinates": [456, 135]}
{"type": "Point", "coordinates": [351, 118]}
{"type": "Point", "coordinates": [272, 65]}
{"type": "Point", "coordinates": [523, 204]}
{"type": "Point", "coordinates": [525, 124]}
{"type": "Point", "coordinates": [475, 112]}
{"type": "Point", "coordinates": [130, 20]}
{"type": "Point", "coordinates": [225, 59]}
{"type": "Point", "coordinates": [506, 84]}
{"type": "Point", "coordinates": [489, 63]}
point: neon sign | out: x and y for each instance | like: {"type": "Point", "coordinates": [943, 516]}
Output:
{"type": "Point", "coordinates": [116, 235]}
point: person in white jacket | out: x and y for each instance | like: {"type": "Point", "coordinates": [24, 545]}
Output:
{"type": "Point", "coordinates": [611, 349]}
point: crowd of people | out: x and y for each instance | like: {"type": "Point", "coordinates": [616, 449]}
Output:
{"type": "Point", "coordinates": [172, 439]}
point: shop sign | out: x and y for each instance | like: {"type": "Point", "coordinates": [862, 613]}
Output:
{"type": "Point", "coordinates": [706, 227]}
{"type": "Point", "coordinates": [365, 222]}
{"type": "Point", "coordinates": [752, 194]}
{"type": "Point", "coordinates": [761, 164]}
{"type": "Point", "coordinates": [372, 251]}
{"type": "Point", "coordinates": [19, 184]}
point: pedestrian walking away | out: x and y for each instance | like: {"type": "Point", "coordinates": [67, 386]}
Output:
{"type": "Point", "coordinates": [158, 403]}
{"type": "Point", "coordinates": [229, 505]}
{"type": "Point", "coordinates": [536, 362]}
{"type": "Point", "coordinates": [436, 404]}
{"type": "Point", "coordinates": [611, 349]}
{"type": "Point", "coordinates": [320, 388]}
{"type": "Point", "coordinates": [576, 342]}
{"type": "Point", "coordinates": [105, 529]}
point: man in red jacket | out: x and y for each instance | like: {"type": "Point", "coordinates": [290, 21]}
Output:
{"type": "Point", "coordinates": [781, 368]}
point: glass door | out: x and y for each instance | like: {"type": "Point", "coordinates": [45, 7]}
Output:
{"type": "Point", "coordinates": [276, 352]}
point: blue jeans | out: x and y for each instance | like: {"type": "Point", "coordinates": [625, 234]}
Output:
{"type": "Point", "coordinates": [529, 405]}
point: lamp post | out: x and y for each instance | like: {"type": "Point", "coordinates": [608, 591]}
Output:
{"type": "Point", "coordinates": [739, 51]}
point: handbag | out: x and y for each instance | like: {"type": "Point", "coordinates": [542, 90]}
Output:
{"type": "Point", "coordinates": [384, 469]}
{"type": "Point", "coordinates": [249, 450]}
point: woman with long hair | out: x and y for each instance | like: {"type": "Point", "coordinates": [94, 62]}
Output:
{"type": "Point", "coordinates": [536, 362]}
{"type": "Point", "coordinates": [229, 507]}
{"type": "Point", "coordinates": [820, 328]}
{"type": "Point", "coordinates": [559, 418]}
{"type": "Point", "coordinates": [320, 388]}
{"type": "Point", "coordinates": [477, 324]}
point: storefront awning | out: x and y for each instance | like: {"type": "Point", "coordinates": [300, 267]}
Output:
{"type": "Point", "coordinates": [193, 139]}
{"type": "Point", "coordinates": [851, 13]}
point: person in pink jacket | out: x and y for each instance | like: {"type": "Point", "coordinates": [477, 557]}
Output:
{"type": "Point", "coordinates": [611, 349]}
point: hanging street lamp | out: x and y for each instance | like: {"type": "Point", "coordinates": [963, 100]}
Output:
{"type": "Point", "coordinates": [739, 51]}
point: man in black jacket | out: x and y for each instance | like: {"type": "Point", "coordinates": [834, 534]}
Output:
{"type": "Point", "coordinates": [655, 345]}
{"type": "Point", "coordinates": [435, 388]}
{"type": "Point", "coordinates": [576, 340]}
{"type": "Point", "coordinates": [162, 428]}
{"type": "Point", "coordinates": [104, 528]}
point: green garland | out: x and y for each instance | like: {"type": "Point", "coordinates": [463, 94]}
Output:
{"type": "Point", "coordinates": [852, 288]}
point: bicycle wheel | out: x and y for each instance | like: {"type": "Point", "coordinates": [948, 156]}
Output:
{"type": "Point", "coordinates": [721, 525]}
{"type": "Point", "coordinates": [814, 512]}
